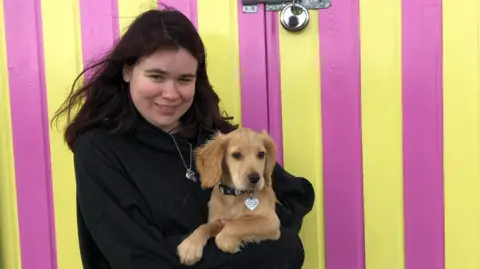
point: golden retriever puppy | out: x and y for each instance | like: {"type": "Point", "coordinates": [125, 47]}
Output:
{"type": "Point", "coordinates": [238, 166]}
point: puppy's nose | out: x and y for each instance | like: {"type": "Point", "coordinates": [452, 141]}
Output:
{"type": "Point", "coordinates": [253, 177]}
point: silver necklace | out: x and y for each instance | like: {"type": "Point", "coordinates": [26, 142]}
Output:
{"type": "Point", "coordinates": [189, 174]}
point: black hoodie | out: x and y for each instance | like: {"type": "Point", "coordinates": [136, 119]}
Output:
{"type": "Point", "coordinates": [135, 205]}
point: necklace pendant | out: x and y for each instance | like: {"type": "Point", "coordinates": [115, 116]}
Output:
{"type": "Point", "coordinates": [191, 175]}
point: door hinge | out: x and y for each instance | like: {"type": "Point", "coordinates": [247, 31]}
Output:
{"type": "Point", "coordinates": [251, 6]}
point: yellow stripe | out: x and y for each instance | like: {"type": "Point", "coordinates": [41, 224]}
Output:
{"type": "Point", "coordinates": [380, 22]}
{"type": "Point", "coordinates": [128, 10]}
{"type": "Point", "coordinates": [63, 62]}
{"type": "Point", "coordinates": [302, 135]}
{"type": "Point", "coordinates": [461, 23]}
{"type": "Point", "coordinates": [9, 235]}
{"type": "Point", "coordinates": [219, 31]}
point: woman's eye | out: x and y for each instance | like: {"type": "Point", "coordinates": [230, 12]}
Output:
{"type": "Point", "coordinates": [184, 80]}
{"type": "Point", "coordinates": [157, 77]}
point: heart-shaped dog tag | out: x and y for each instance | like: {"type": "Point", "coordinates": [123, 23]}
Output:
{"type": "Point", "coordinates": [251, 202]}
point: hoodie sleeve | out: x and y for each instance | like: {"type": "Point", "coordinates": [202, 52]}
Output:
{"type": "Point", "coordinates": [296, 196]}
{"type": "Point", "coordinates": [115, 231]}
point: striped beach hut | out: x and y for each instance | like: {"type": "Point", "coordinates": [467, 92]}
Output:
{"type": "Point", "coordinates": [376, 102]}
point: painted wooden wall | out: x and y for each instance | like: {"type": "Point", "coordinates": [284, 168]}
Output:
{"type": "Point", "coordinates": [377, 103]}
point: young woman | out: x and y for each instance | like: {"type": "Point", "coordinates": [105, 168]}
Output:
{"type": "Point", "coordinates": [133, 126]}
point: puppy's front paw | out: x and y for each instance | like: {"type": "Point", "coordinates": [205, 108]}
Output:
{"type": "Point", "coordinates": [228, 243]}
{"type": "Point", "coordinates": [190, 251]}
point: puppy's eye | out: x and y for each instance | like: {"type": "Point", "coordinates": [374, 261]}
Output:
{"type": "Point", "coordinates": [237, 155]}
{"type": "Point", "coordinates": [261, 154]}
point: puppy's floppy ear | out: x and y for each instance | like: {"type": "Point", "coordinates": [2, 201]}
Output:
{"type": "Point", "coordinates": [209, 160]}
{"type": "Point", "coordinates": [271, 156]}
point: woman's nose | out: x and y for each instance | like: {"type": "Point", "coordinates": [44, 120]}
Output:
{"type": "Point", "coordinates": [169, 90]}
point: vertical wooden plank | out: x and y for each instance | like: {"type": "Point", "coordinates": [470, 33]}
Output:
{"type": "Point", "coordinates": [63, 62]}
{"type": "Point", "coordinates": [423, 133]}
{"type": "Point", "coordinates": [461, 93]}
{"type": "Point", "coordinates": [25, 60]}
{"type": "Point", "coordinates": [99, 28]}
{"type": "Point", "coordinates": [273, 81]}
{"type": "Point", "coordinates": [219, 31]}
{"type": "Point", "coordinates": [9, 237]}
{"type": "Point", "coordinates": [342, 136]}
{"type": "Point", "coordinates": [380, 31]}
{"type": "Point", "coordinates": [302, 125]}
{"type": "Point", "coordinates": [253, 68]}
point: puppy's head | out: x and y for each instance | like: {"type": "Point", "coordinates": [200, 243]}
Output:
{"type": "Point", "coordinates": [245, 157]}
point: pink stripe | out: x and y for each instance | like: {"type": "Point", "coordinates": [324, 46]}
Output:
{"type": "Point", "coordinates": [423, 133]}
{"type": "Point", "coordinates": [260, 73]}
{"type": "Point", "coordinates": [187, 7]}
{"type": "Point", "coordinates": [273, 81]}
{"type": "Point", "coordinates": [342, 149]}
{"type": "Point", "coordinates": [253, 69]}
{"type": "Point", "coordinates": [99, 27]}
{"type": "Point", "coordinates": [23, 29]}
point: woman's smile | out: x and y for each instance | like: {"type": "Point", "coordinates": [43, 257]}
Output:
{"type": "Point", "coordinates": [166, 109]}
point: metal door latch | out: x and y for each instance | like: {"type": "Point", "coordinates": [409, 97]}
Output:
{"type": "Point", "coordinates": [251, 6]}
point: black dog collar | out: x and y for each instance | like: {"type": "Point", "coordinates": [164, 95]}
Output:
{"type": "Point", "coordinates": [226, 190]}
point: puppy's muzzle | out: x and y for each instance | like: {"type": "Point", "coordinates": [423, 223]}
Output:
{"type": "Point", "coordinates": [253, 178]}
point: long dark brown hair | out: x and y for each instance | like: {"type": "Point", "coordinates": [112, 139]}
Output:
{"type": "Point", "coordinates": [104, 96]}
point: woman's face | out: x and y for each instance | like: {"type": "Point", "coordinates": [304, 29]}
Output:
{"type": "Point", "coordinates": [162, 86]}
